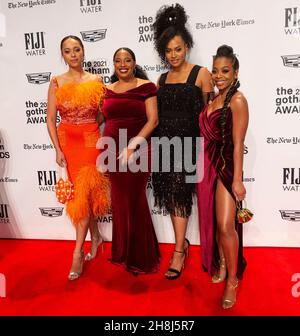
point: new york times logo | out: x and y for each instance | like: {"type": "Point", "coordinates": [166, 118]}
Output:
{"type": "Point", "coordinates": [93, 35]}
{"type": "Point", "coordinates": [38, 77]}
{"type": "Point", "coordinates": [4, 218]}
{"type": "Point", "coordinates": [29, 4]}
{"type": "Point", "coordinates": [292, 21]}
{"type": "Point", "coordinates": [35, 44]}
{"type": "Point", "coordinates": [159, 212]}
{"type": "Point", "coordinates": [290, 215]}
{"type": "Point", "coordinates": [90, 6]}
{"type": "Point", "coordinates": [51, 212]}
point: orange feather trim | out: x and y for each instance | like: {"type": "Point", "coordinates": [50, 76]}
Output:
{"type": "Point", "coordinates": [91, 195]}
{"type": "Point", "coordinates": [73, 95]}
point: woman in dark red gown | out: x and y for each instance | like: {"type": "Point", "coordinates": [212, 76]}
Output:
{"type": "Point", "coordinates": [223, 124]}
{"type": "Point", "coordinates": [130, 106]}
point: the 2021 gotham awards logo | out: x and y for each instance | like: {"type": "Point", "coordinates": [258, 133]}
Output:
{"type": "Point", "coordinates": [4, 154]}
{"type": "Point", "coordinates": [35, 44]}
{"type": "Point", "coordinates": [36, 112]}
{"type": "Point", "coordinates": [4, 217]}
{"type": "Point", "coordinates": [287, 100]}
{"type": "Point", "coordinates": [46, 180]}
{"type": "Point", "coordinates": [38, 77]}
{"type": "Point", "coordinates": [99, 67]}
{"type": "Point", "coordinates": [90, 6]}
{"type": "Point", "coordinates": [93, 35]}
{"type": "Point", "coordinates": [290, 215]}
{"type": "Point", "coordinates": [291, 179]}
{"type": "Point", "coordinates": [145, 28]}
{"type": "Point", "coordinates": [51, 211]}
{"type": "Point", "coordinates": [292, 21]}
{"type": "Point", "coordinates": [291, 61]}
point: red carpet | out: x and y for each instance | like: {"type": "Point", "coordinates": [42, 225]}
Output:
{"type": "Point", "coordinates": [36, 284]}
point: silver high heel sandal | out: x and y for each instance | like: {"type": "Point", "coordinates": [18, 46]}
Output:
{"type": "Point", "coordinates": [75, 275]}
{"type": "Point", "coordinates": [93, 252]}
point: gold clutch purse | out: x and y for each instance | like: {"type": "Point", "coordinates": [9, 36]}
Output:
{"type": "Point", "coordinates": [243, 214]}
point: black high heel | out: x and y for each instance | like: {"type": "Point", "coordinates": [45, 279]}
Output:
{"type": "Point", "coordinates": [175, 271]}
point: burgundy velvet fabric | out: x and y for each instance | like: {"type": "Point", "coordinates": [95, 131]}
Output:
{"type": "Point", "coordinates": [134, 242]}
{"type": "Point", "coordinates": [213, 163]}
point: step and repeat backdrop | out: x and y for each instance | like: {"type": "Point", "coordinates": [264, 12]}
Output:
{"type": "Point", "coordinates": [266, 38]}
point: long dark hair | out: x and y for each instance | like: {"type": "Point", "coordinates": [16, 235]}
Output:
{"type": "Point", "coordinates": [170, 22]}
{"type": "Point", "coordinates": [138, 71]}
{"type": "Point", "coordinates": [227, 52]}
{"type": "Point", "coordinates": [71, 37]}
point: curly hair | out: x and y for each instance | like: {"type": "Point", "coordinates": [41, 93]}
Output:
{"type": "Point", "coordinates": [227, 52]}
{"type": "Point", "coordinates": [170, 22]}
{"type": "Point", "coordinates": [138, 71]}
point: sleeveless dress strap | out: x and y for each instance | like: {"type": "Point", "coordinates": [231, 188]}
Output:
{"type": "Point", "coordinates": [193, 74]}
{"type": "Point", "coordinates": [163, 78]}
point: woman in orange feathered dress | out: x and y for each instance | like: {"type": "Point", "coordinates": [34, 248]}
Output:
{"type": "Point", "coordinates": [78, 95]}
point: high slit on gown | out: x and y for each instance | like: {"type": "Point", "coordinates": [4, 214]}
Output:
{"type": "Point", "coordinates": [206, 189]}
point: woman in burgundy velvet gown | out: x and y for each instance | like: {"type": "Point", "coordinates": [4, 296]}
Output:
{"type": "Point", "coordinates": [223, 124]}
{"type": "Point", "coordinates": [130, 105]}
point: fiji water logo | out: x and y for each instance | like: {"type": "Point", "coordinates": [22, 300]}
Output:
{"type": "Point", "coordinates": [4, 217]}
{"type": "Point", "coordinates": [291, 179]}
{"type": "Point", "coordinates": [292, 21]}
{"type": "Point", "coordinates": [90, 6]}
{"type": "Point", "coordinates": [47, 180]}
{"type": "Point", "coordinates": [35, 44]}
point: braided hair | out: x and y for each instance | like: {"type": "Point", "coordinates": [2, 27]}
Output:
{"type": "Point", "coordinates": [227, 52]}
{"type": "Point", "coordinates": [138, 71]}
{"type": "Point", "coordinates": [170, 22]}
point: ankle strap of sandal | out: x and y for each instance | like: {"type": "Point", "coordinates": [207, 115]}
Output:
{"type": "Point", "coordinates": [182, 252]}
